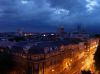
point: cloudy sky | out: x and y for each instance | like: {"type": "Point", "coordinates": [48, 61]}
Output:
{"type": "Point", "coordinates": [46, 15]}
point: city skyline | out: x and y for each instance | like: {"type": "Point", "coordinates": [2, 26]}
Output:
{"type": "Point", "coordinates": [47, 15]}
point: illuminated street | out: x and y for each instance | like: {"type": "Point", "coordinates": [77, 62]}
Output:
{"type": "Point", "coordinates": [85, 62]}
{"type": "Point", "coordinates": [49, 36]}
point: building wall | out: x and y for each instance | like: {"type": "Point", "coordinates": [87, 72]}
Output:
{"type": "Point", "coordinates": [62, 60]}
{"type": "Point", "coordinates": [68, 56]}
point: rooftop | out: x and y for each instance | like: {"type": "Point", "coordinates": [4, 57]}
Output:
{"type": "Point", "coordinates": [39, 47]}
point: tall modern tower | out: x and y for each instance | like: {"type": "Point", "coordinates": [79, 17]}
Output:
{"type": "Point", "coordinates": [61, 29]}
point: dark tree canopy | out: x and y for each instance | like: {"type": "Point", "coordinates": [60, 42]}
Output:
{"type": "Point", "coordinates": [86, 72]}
{"type": "Point", "coordinates": [6, 63]}
{"type": "Point", "coordinates": [97, 58]}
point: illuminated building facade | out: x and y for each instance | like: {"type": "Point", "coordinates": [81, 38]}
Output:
{"type": "Point", "coordinates": [54, 57]}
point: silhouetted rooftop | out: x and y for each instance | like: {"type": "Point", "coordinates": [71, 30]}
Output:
{"type": "Point", "coordinates": [39, 47]}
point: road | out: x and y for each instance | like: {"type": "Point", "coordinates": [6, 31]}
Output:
{"type": "Point", "coordinates": [80, 63]}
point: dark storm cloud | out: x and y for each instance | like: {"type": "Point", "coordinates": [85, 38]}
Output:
{"type": "Point", "coordinates": [48, 12]}
{"type": "Point", "coordinates": [69, 4]}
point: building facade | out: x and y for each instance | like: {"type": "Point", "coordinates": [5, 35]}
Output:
{"type": "Point", "coordinates": [54, 59]}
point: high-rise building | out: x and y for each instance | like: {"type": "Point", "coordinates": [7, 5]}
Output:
{"type": "Point", "coordinates": [61, 29]}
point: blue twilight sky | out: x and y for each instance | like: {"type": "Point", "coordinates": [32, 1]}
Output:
{"type": "Point", "coordinates": [47, 15]}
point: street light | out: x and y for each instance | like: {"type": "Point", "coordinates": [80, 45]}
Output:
{"type": "Point", "coordinates": [53, 70]}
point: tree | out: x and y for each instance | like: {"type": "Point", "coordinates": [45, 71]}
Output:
{"type": "Point", "coordinates": [6, 63]}
{"type": "Point", "coordinates": [86, 72]}
{"type": "Point", "coordinates": [97, 58]}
